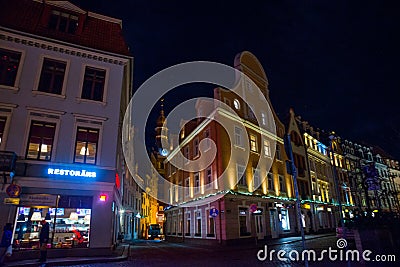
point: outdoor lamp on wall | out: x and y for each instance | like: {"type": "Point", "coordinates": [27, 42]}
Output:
{"type": "Point", "coordinates": [102, 197]}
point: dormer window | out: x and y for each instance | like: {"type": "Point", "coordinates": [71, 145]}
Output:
{"type": "Point", "coordinates": [63, 22]}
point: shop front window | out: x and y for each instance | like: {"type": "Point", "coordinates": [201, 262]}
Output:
{"type": "Point", "coordinates": [69, 224]}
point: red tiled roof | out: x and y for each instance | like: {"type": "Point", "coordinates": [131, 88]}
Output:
{"type": "Point", "coordinates": [30, 16]}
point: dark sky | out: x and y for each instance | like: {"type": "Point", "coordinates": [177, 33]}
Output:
{"type": "Point", "coordinates": [335, 62]}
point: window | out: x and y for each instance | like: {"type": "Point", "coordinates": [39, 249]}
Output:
{"type": "Point", "coordinates": [3, 121]}
{"type": "Point", "coordinates": [198, 223]}
{"type": "Point", "coordinates": [211, 226]}
{"type": "Point", "coordinates": [188, 224]}
{"type": "Point", "coordinates": [278, 152]}
{"type": "Point", "coordinates": [93, 84]}
{"type": "Point", "coordinates": [243, 222]}
{"type": "Point", "coordinates": [270, 182]}
{"type": "Point", "coordinates": [256, 178]}
{"type": "Point", "coordinates": [208, 177]}
{"type": "Point", "coordinates": [282, 186]}
{"type": "Point", "coordinates": [41, 137]}
{"type": "Point", "coordinates": [186, 154]}
{"type": "Point", "coordinates": [263, 119]}
{"type": "Point", "coordinates": [86, 145]}
{"type": "Point", "coordinates": [52, 76]}
{"type": "Point", "coordinates": [241, 175]}
{"type": "Point", "coordinates": [253, 143]}
{"type": "Point", "coordinates": [187, 186]}
{"type": "Point", "coordinates": [196, 147]}
{"type": "Point", "coordinates": [196, 183]}
{"type": "Point", "coordinates": [9, 63]}
{"type": "Point", "coordinates": [63, 22]}
{"type": "Point", "coordinates": [207, 140]}
{"type": "Point", "coordinates": [236, 104]}
{"type": "Point", "coordinates": [227, 101]}
{"type": "Point", "coordinates": [267, 148]}
{"type": "Point", "coordinates": [238, 136]}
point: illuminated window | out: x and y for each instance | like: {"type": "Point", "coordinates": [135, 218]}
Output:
{"type": "Point", "coordinates": [52, 76]}
{"type": "Point", "coordinates": [40, 141]}
{"type": "Point", "coordinates": [86, 145]}
{"type": "Point", "coordinates": [238, 136]}
{"type": "Point", "coordinates": [63, 22]}
{"type": "Point", "coordinates": [253, 143]}
{"type": "Point", "coordinates": [93, 85]}
{"type": "Point", "coordinates": [9, 63]}
{"type": "Point", "coordinates": [236, 104]}
{"type": "Point", "coordinates": [267, 148]}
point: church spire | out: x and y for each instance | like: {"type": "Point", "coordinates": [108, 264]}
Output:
{"type": "Point", "coordinates": [161, 129]}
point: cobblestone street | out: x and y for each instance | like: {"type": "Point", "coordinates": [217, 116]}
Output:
{"type": "Point", "coordinates": [150, 253]}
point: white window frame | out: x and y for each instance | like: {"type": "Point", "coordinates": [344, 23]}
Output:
{"type": "Point", "coordinates": [198, 215]}
{"type": "Point", "coordinates": [241, 180]}
{"type": "Point", "coordinates": [196, 188]}
{"type": "Point", "coordinates": [45, 116]}
{"type": "Point", "coordinates": [6, 110]}
{"type": "Point", "coordinates": [19, 71]}
{"type": "Point", "coordinates": [35, 90]}
{"type": "Point", "coordinates": [187, 187]}
{"type": "Point", "coordinates": [270, 177]}
{"type": "Point", "coordinates": [238, 133]}
{"type": "Point", "coordinates": [106, 81]}
{"type": "Point", "coordinates": [256, 178]}
{"type": "Point", "coordinates": [208, 177]}
{"type": "Point", "coordinates": [91, 122]}
{"type": "Point", "coordinates": [253, 141]}
{"type": "Point", "coordinates": [267, 148]}
{"type": "Point", "coordinates": [196, 150]}
{"type": "Point", "coordinates": [282, 184]}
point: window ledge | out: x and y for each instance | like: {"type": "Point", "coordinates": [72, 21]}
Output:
{"type": "Point", "coordinates": [239, 147]}
{"type": "Point", "coordinates": [11, 88]}
{"type": "Point", "coordinates": [36, 92]}
{"type": "Point", "coordinates": [79, 100]}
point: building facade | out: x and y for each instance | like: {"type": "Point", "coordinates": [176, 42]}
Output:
{"type": "Point", "coordinates": [65, 81]}
{"type": "Point", "coordinates": [249, 202]}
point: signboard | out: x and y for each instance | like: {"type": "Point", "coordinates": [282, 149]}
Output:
{"type": "Point", "coordinates": [38, 200]}
{"type": "Point", "coordinates": [69, 172]}
{"type": "Point", "coordinates": [13, 190]}
{"type": "Point", "coordinates": [213, 212]}
{"type": "Point", "coordinates": [11, 201]}
{"type": "Point", "coordinates": [60, 211]}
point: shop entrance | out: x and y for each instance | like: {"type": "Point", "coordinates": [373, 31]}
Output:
{"type": "Point", "coordinates": [273, 218]}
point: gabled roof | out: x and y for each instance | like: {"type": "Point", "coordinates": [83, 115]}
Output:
{"type": "Point", "coordinates": [95, 31]}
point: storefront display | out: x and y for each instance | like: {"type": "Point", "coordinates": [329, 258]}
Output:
{"type": "Point", "coordinates": [69, 226]}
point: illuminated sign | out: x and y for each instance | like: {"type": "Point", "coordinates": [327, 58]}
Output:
{"type": "Point", "coordinates": [65, 172]}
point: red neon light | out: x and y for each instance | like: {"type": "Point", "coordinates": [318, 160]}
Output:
{"type": "Point", "coordinates": [103, 198]}
{"type": "Point", "coordinates": [117, 181]}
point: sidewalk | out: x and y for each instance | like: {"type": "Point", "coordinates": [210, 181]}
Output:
{"type": "Point", "coordinates": [122, 255]}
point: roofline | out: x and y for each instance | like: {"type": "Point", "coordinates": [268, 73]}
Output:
{"type": "Point", "coordinates": [65, 43]}
{"type": "Point", "coordinates": [106, 18]}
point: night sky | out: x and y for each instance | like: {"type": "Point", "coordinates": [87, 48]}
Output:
{"type": "Point", "coordinates": [334, 62]}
